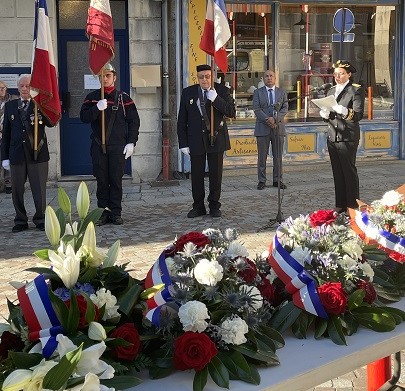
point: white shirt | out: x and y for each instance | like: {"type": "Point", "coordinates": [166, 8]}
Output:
{"type": "Point", "coordinates": [340, 88]}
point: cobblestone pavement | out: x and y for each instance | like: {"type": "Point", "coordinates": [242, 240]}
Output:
{"type": "Point", "coordinates": [154, 213]}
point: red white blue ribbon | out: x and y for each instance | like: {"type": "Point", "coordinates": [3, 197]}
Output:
{"type": "Point", "coordinates": [298, 282]}
{"type": "Point", "coordinates": [42, 322]}
{"type": "Point", "coordinates": [159, 274]}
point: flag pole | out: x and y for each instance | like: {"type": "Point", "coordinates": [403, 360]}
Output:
{"type": "Point", "coordinates": [103, 147]}
{"type": "Point", "coordinates": [212, 137]}
{"type": "Point", "coordinates": [35, 131]}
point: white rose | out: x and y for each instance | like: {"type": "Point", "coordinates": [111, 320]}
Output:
{"type": "Point", "coordinates": [254, 294]}
{"type": "Point", "coordinates": [233, 330]}
{"type": "Point", "coordinates": [104, 297]}
{"type": "Point", "coordinates": [192, 316]}
{"type": "Point", "coordinates": [237, 249]}
{"type": "Point", "coordinates": [208, 272]}
{"type": "Point", "coordinates": [391, 198]}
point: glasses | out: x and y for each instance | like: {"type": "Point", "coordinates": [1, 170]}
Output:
{"type": "Point", "coordinates": [339, 74]}
{"type": "Point", "coordinates": [202, 77]}
{"type": "Point", "coordinates": [3, 88]}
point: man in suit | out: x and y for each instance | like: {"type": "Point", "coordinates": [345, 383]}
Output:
{"type": "Point", "coordinates": [193, 131]}
{"type": "Point", "coordinates": [270, 105]}
{"type": "Point", "coordinates": [344, 134]}
{"type": "Point", "coordinates": [17, 152]}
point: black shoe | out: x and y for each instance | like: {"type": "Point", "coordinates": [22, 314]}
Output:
{"type": "Point", "coordinates": [103, 220]}
{"type": "Point", "coordinates": [215, 213]}
{"type": "Point", "coordinates": [261, 186]}
{"type": "Point", "coordinates": [9, 190]}
{"type": "Point", "coordinates": [282, 185]}
{"type": "Point", "coordinates": [116, 220]}
{"type": "Point", "coordinates": [41, 226]}
{"type": "Point", "coordinates": [19, 228]}
{"type": "Point", "coordinates": [196, 213]}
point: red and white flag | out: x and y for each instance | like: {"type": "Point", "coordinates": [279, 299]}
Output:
{"type": "Point", "coordinates": [216, 33]}
{"type": "Point", "coordinates": [44, 84]}
{"type": "Point", "coordinates": [101, 34]}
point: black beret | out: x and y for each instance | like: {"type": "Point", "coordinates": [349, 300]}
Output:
{"type": "Point", "coordinates": [344, 64]}
{"type": "Point", "coordinates": [203, 67]}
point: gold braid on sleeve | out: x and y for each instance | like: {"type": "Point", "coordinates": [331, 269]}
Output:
{"type": "Point", "coordinates": [350, 115]}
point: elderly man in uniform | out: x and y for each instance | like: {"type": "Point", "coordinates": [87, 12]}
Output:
{"type": "Point", "coordinates": [122, 130]}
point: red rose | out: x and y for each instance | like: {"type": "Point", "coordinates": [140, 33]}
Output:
{"type": "Point", "coordinates": [368, 288]}
{"type": "Point", "coordinates": [9, 342]}
{"type": "Point", "coordinates": [266, 289]}
{"type": "Point", "coordinates": [333, 297]}
{"type": "Point", "coordinates": [193, 350]}
{"type": "Point", "coordinates": [128, 332]}
{"type": "Point", "coordinates": [249, 273]}
{"type": "Point", "coordinates": [321, 217]}
{"type": "Point", "coordinates": [82, 304]}
{"type": "Point", "coordinates": [198, 238]}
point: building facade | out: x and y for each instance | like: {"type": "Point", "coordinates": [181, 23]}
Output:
{"type": "Point", "coordinates": [156, 44]}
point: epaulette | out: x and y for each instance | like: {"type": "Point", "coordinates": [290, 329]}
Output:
{"type": "Point", "coordinates": [356, 85]}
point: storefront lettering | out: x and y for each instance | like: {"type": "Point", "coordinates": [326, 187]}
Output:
{"type": "Point", "coordinates": [301, 143]}
{"type": "Point", "coordinates": [377, 140]}
{"type": "Point", "coordinates": [242, 146]}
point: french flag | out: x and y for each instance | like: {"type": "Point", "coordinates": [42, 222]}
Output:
{"type": "Point", "coordinates": [216, 33]}
{"type": "Point", "coordinates": [101, 34]}
{"type": "Point", "coordinates": [44, 84]}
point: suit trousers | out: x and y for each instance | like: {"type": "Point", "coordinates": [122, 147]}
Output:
{"type": "Point", "coordinates": [37, 174]}
{"type": "Point", "coordinates": [343, 160]}
{"type": "Point", "coordinates": [215, 165]}
{"type": "Point", "coordinates": [263, 144]}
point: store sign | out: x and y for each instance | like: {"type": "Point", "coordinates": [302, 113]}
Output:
{"type": "Point", "coordinates": [377, 140]}
{"type": "Point", "coordinates": [303, 142]}
{"type": "Point", "coordinates": [242, 146]}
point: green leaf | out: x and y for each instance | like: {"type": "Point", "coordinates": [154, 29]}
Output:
{"type": "Point", "coordinates": [216, 316]}
{"type": "Point", "coordinates": [93, 216]}
{"type": "Point", "coordinates": [250, 351]}
{"type": "Point", "coordinates": [218, 372]}
{"type": "Point", "coordinates": [351, 324]}
{"type": "Point", "coordinates": [200, 379]}
{"type": "Point", "coordinates": [129, 298]}
{"type": "Point", "coordinates": [42, 254]}
{"type": "Point", "coordinates": [23, 360]}
{"type": "Point", "coordinates": [47, 272]}
{"type": "Point", "coordinates": [112, 255]}
{"type": "Point", "coordinates": [64, 201]}
{"type": "Point", "coordinates": [88, 275]}
{"type": "Point", "coordinates": [335, 330]}
{"type": "Point", "coordinates": [321, 326]}
{"type": "Point", "coordinates": [284, 317]}
{"type": "Point", "coordinates": [159, 373]}
{"type": "Point", "coordinates": [90, 314]}
{"type": "Point", "coordinates": [239, 368]}
{"type": "Point", "coordinates": [62, 221]}
{"type": "Point", "coordinates": [276, 337]}
{"type": "Point", "coordinates": [121, 382]}
{"type": "Point", "coordinates": [300, 326]}
{"type": "Point", "coordinates": [62, 312]}
{"type": "Point", "coordinates": [73, 315]}
{"type": "Point", "coordinates": [396, 312]}
{"type": "Point", "coordinates": [58, 375]}
{"type": "Point", "coordinates": [375, 318]}
{"type": "Point", "coordinates": [356, 299]}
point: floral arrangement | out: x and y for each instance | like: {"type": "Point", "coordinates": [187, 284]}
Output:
{"type": "Point", "coordinates": [73, 325]}
{"type": "Point", "coordinates": [328, 282]}
{"type": "Point", "coordinates": [383, 222]}
{"type": "Point", "coordinates": [211, 314]}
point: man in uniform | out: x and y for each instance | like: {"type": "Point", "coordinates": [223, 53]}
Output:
{"type": "Point", "coordinates": [121, 134]}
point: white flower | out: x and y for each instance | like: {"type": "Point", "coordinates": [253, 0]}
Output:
{"type": "Point", "coordinates": [171, 265]}
{"type": "Point", "coordinates": [189, 249]}
{"type": "Point", "coordinates": [233, 330]}
{"type": "Point", "coordinates": [208, 272]}
{"type": "Point", "coordinates": [66, 266]}
{"type": "Point", "coordinates": [52, 226]}
{"type": "Point", "coordinates": [192, 316]}
{"type": "Point", "coordinates": [265, 254]}
{"type": "Point", "coordinates": [104, 297]}
{"type": "Point", "coordinates": [391, 198]}
{"type": "Point", "coordinates": [71, 229]}
{"type": "Point", "coordinates": [91, 383]}
{"type": "Point", "coordinates": [254, 294]}
{"type": "Point", "coordinates": [367, 270]}
{"type": "Point", "coordinates": [38, 375]}
{"type": "Point", "coordinates": [96, 332]}
{"type": "Point", "coordinates": [236, 249]}
{"type": "Point", "coordinates": [352, 248]}
{"type": "Point", "coordinates": [17, 380]}
{"type": "Point", "coordinates": [301, 255]}
{"type": "Point", "coordinates": [95, 256]}
{"type": "Point", "coordinates": [82, 200]}
{"type": "Point", "coordinates": [347, 263]}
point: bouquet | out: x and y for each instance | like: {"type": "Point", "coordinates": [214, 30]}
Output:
{"type": "Point", "coordinates": [328, 282]}
{"type": "Point", "coordinates": [211, 310]}
{"type": "Point", "coordinates": [73, 325]}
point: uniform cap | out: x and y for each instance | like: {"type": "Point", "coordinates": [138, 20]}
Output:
{"type": "Point", "coordinates": [344, 64]}
{"type": "Point", "coordinates": [203, 67]}
{"type": "Point", "coordinates": [109, 68]}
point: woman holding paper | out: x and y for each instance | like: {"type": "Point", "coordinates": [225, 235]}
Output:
{"type": "Point", "coordinates": [344, 134]}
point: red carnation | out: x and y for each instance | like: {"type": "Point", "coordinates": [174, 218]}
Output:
{"type": "Point", "coordinates": [129, 333]}
{"type": "Point", "coordinates": [321, 217]}
{"type": "Point", "coordinates": [333, 297]}
{"type": "Point", "coordinates": [82, 304]}
{"type": "Point", "coordinates": [9, 342]}
{"type": "Point", "coordinates": [198, 238]}
{"type": "Point", "coordinates": [266, 289]}
{"type": "Point", "coordinates": [249, 273]}
{"type": "Point", "coordinates": [368, 288]}
{"type": "Point", "coordinates": [193, 350]}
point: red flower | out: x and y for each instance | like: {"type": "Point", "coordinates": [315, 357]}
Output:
{"type": "Point", "coordinates": [9, 341]}
{"type": "Point", "coordinates": [333, 297]}
{"type": "Point", "coordinates": [321, 217]}
{"type": "Point", "coordinates": [198, 238]}
{"type": "Point", "coordinates": [82, 304]}
{"type": "Point", "coordinates": [129, 333]}
{"type": "Point", "coordinates": [368, 287]}
{"type": "Point", "coordinates": [249, 273]}
{"type": "Point", "coordinates": [266, 289]}
{"type": "Point", "coordinates": [193, 350]}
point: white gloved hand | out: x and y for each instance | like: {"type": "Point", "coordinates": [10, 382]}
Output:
{"type": "Point", "coordinates": [6, 164]}
{"type": "Point", "coordinates": [340, 110]}
{"type": "Point", "coordinates": [324, 113]}
{"type": "Point", "coordinates": [128, 150]}
{"type": "Point", "coordinates": [102, 104]}
{"type": "Point", "coordinates": [185, 150]}
{"type": "Point", "coordinates": [211, 95]}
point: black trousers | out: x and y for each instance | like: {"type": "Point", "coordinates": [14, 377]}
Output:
{"type": "Point", "coordinates": [343, 159]}
{"type": "Point", "coordinates": [215, 166]}
{"type": "Point", "coordinates": [108, 169]}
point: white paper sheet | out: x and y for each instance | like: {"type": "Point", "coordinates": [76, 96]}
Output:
{"type": "Point", "coordinates": [325, 103]}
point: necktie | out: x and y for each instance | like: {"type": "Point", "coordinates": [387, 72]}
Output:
{"type": "Point", "coordinates": [270, 96]}
{"type": "Point", "coordinates": [205, 95]}
{"type": "Point", "coordinates": [25, 105]}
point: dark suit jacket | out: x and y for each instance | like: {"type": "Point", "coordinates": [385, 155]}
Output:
{"type": "Point", "coordinates": [191, 129]}
{"type": "Point", "coordinates": [342, 128]}
{"type": "Point", "coordinates": [17, 139]}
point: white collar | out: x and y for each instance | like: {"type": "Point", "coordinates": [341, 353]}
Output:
{"type": "Point", "coordinates": [340, 87]}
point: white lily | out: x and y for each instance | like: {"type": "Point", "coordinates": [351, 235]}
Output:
{"type": "Point", "coordinates": [17, 380]}
{"type": "Point", "coordinates": [91, 383]}
{"type": "Point", "coordinates": [66, 266]}
{"type": "Point", "coordinates": [96, 332]}
{"type": "Point", "coordinates": [95, 256]}
{"type": "Point", "coordinates": [82, 200]}
{"type": "Point", "coordinates": [38, 375]}
{"type": "Point", "coordinates": [52, 226]}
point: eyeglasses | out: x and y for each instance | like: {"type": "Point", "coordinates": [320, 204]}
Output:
{"type": "Point", "coordinates": [3, 88]}
{"type": "Point", "coordinates": [202, 77]}
{"type": "Point", "coordinates": [339, 74]}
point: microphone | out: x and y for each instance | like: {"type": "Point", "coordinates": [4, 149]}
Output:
{"type": "Point", "coordinates": [323, 87]}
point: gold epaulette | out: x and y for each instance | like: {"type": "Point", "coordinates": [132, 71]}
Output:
{"type": "Point", "coordinates": [350, 115]}
{"type": "Point", "coordinates": [356, 85]}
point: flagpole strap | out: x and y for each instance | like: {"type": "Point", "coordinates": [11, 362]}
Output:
{"type": "Point", "coordinates": [35, 131]}
{"type": "Point", "coordinates": [103, 147]}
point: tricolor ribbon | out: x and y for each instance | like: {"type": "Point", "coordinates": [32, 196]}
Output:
{"type": "Point", "coordinates": [394, 245]}
{"type": "Point", "coordinates": [298, 282]}
{"type": "Point", "coordinates": [42, 322]}
{"type": "Point", "coordinates": [159, 274]}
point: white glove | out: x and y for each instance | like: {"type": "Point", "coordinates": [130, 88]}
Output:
{"type": "Point", "coordinates": [185, 150]}
{"type": "Point", "coordinates": [102, 104]}
{"type": "Point", "coordinates": [340, 110]}
{"type": "Point", "coordinates": [324, 113]}
{"type": "Point", "coordinates": [211, 95]}
{"type": "Point", "coordinates": [6, 164]}
{"type": "Point", "coordinates": [128, 150]}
